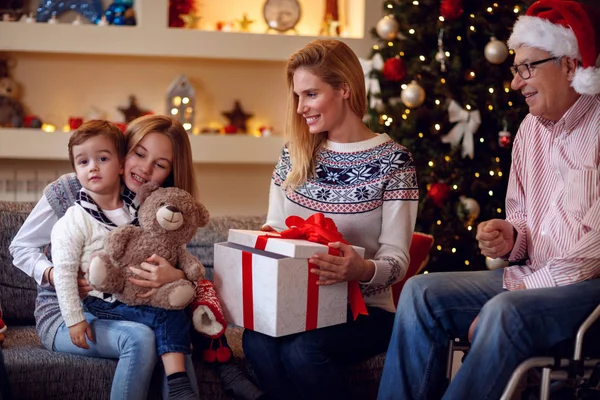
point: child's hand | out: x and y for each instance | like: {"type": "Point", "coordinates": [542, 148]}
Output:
{"type": "Point", "coordinates": [78, 332]}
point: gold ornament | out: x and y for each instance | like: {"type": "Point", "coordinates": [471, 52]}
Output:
{"type": "Point", "coordinates": [190, 20]}
{"type": "Point", "coordinates": [245, 23]}
{"type": "Point", "coordinates": [413, 96]}
{"type": "Point", "coordinates": [387, 28]}
{"type": "Point", "coordinates": [468, 209]}
{"type": "Point", "coordinates": [495, 51]}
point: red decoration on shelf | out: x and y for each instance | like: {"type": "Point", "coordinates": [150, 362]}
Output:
{"type": "Point", "coordinates": [439, 193]}
{"type": "Point", "coordinates": [229, 128]}
{"type": "Point", "coordinates": [75, 122]}
{"type": "Point", "coordinates": [394, 69]}
{"type": "Point", "coordinates": [451, 9]}
{"type": "Point", "coordinates": [177, 8]}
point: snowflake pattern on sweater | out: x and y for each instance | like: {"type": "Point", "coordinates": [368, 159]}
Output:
{"type": "Point", "coordinates": [352, 186]}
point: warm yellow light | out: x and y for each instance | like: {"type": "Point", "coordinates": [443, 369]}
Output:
{"type": "Point", "coordinates": [477, 175]}
{"type": "Point", "coordinates": [390, 119]}
{"type": "Point", "coordinates": [67, 128]}
{"type": "Point", "coordinates": [447, 54]}
{"type": "Point", "coordinates": [500, 173]}
{"type": "Point", "coordinates": [491, 90]}
{"type": "Point", "coordinates": [468, 107]}
{"type": "Point", "coordinates": [443, 80]}
{"type": "Point", "coordinates": [490, 107]}
{"type": "Point", "coordinates": [491, 192]}
{"type": "Point", "coordinates": [454, 249]}
{"type": "Point", "coordinates": [375, 47]}
{"type": "Point", "coordinates": [437, 127]}
{"type": "Point", "coordinates": [491, 173]}
{"type": "Point", "coordinates": [455, 187]}
{"type": "Point", "coordinates": [174, 111]}
{"type": "Point", "coordinates": [437, 102]}
{"type": "Point", "coordinates": [467, 262]}
{"type": "Point", "coordinates": [421, 135]}
{"type": "Point", "coordinates": [472, 28]}
{"type": "Point", "coordinates": [177, 101]}
{"type": "Point", "coordinates": [185, 100]}
{"type": "Point", "coordinates": [472, 15]}
{"type": "Point", "coordinates": [411, 31]}
{"type": "Point", "coordinates": [510, 103]}
{"type": "Point", "coordinates": [507, 89]}
{"type": "Point", "coordinates": [401, 53]}
{"type": "Point", "coordinates": [447, 158]}
{"type": "Point", "coordinates": [403, 86]}
{"type": "Point", "coordinates": [516, 9]}
{"type": "Point", "coordinates": [404, 117]}
{"type": "Point", "coordinates": [48, 128]}
{"type": "Point", "coordinates": [416, 3]}
{"type": "Point", "coordinates": [187, 126]}
{"type": "Point", "coordinates": [490, 9]}
{"type": "Point", "coordinates": [390, 5]}
{"type": "Point", "coordinates": [442, 18]}
{"type": "Point", "coordinates": [425, 272]}
{"type": "Point", "coordinates": [472, 74]}
{"type": "Point", "coordinates": [384, 117]}
{"type": "Point", "coordinates": [431, 163]}
{"type": "Point", "coordinates": [481, 140]}
{"type": "Point", "coordinates": [390, 44]}
{"type": "Point", "coordinates": [459, 38]}
{"type": "Point", "coordinates": [439, 247]}
{"type": "Point", "coordinates": [496, 5]}
{"type": "Point", "coordinates": [469, 228]}
{"type": "Point", "coordinates": [497, 159]}
{"type": "Point", "coordinates": [511, 52]}
{"type": "Point", "coordinates": [439, 222]}
{"type": "Point", "coordinates": [422, 58]}
{"type": "Point", "coordinates": [407, 111]}
{"type": "Point", "coordinates": [499, 210]}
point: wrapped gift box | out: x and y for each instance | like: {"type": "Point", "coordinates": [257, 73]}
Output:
{"type": "Point", "coordinates": [272, 291]}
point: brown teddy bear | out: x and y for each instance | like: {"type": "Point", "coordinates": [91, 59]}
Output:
{"type": "Point", "coordinates": [168, 219]}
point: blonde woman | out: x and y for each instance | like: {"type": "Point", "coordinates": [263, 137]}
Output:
{"type": "Point", "coordinates": [367, 184]}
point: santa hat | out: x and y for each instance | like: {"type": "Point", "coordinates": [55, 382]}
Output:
{"type": "Point", "coordinates": [563, 28]}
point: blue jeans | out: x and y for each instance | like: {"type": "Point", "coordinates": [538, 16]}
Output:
{"type": "Point", "coordinates": [171, 327]}
{"type": "Point", "coordinates": [512, 327]}
{"type": "Point", "coordinates": [129, 342]}
{"type": "Point", "coordinates": [311, 364]}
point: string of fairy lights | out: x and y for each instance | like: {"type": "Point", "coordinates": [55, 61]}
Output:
{"type": "Point", "coordinates": [407, 109]}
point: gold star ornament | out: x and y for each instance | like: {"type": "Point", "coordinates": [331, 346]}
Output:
{"type": "Point", "coordinates": [245, 23]}
{"type": "Point", "coordinates": [190, 20]}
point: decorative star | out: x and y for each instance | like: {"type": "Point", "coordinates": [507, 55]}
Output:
{"type": "Point", "coordinates": [237, 117]}
{"type": "Point", "coordinates": [133, 111]}
{"type": "Point", "coordinates": [245, 23]}
{"type": "Point", "coordinates": [190, 21]}
{"type": "Point", "coordinates": [91, 9]}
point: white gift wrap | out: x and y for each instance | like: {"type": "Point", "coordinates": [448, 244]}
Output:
{"type": "Point", "coordinates": [279, 284]}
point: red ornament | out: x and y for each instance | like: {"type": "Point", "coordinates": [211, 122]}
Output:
{"type": "Point", "coordinates": [177, 8]}
{"type": "Point", "coordinates": [451, 9]}
{"type": "Point", "coordinates": [75, 122]}
{"type": "Point", "coordinates": [439, 193]}
{"type": "Point", "coordinates": [504, 139]}
{"type": "Point", "coordinates": [230, 129]}
{"type": "Point", "coordinates": [394, 69]}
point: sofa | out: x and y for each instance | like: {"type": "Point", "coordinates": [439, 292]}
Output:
{"type": "Point", "coordinates": [36, 373]}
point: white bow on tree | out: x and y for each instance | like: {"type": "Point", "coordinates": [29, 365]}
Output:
{"type": "Point", "coordinates": [372, 83]}
{"type": "Point", "coordinates": [467, 124]}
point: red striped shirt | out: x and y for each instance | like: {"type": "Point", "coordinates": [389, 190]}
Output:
{"type": "Point", "coordinates": [553, 198]}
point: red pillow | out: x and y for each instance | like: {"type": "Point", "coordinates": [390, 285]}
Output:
{"type": "Point", "coordinates": [420, 246]}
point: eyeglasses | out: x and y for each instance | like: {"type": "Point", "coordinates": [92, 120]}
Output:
{"type": "Point", "coordinates": [524, 70]}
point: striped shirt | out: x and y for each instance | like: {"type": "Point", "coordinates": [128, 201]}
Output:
{"type": "Point", "coordinates": [553, 198]}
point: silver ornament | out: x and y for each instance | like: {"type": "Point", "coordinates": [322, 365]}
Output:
{"type": "Point", "coordinates": [387, 28]}
{"type": "Point", "coordinates": [495, 263]}
{"type": "Point", "coordinates": [495, 51]}
{"type": "Point", "coordinates": [468, 209]}
{"type": "Point", "coordinates": [413, 96]}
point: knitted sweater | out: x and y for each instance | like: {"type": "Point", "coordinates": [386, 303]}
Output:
{"type": "Point", "coordinates": [370, 191]}
{"type": "Point", "coordinates": [61, 195]}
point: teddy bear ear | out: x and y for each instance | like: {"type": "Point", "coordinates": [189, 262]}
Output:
{"type": "Point", "coordinates": [203, 215]}
{"type": "Point", "coordinates": [145, 190]}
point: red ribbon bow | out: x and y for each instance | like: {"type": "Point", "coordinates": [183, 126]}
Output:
{"type": "Point", "coordinates": [319, 229]}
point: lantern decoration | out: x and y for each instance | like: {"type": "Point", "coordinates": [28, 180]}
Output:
{"type": "Point", "coordinates": [181, 102]}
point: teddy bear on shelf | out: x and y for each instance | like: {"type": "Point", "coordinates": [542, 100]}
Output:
{"type": "Point", "coordinates": [11, 111]}
{"type": "Point", "coordinates": [168, 219]}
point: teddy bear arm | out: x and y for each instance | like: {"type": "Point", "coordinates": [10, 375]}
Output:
{"type": "Point", "coordinates": [191, 267]}
{"type": "Point", "coordinates": [117, 242]}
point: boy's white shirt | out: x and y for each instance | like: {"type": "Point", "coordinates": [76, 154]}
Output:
{"type": "Point", "coordinates": [75, 237]}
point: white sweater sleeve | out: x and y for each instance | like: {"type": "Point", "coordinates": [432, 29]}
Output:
{"type": "Point", "coordinates": [276, 215]}
{"type": "Point", "coordinates": [68, 240]}
{"type": "Point", "coordinates": [27, 246]}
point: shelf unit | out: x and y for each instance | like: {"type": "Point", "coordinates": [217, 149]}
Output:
{"type": "Point", "coordinates": [35, 144]}
{"type": "Point", "coordinates": [152, 37]}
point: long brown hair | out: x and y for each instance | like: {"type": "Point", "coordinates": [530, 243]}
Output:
{"type": "Point", "coordinates": [182, 173]}
{"type": "Point", "coordinates": [335, 64]}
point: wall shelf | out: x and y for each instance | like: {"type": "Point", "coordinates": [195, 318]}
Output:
{"type": "Point", "coordinates": [35, 144]}
{"type": "Point", "coordinates": [151, 37]}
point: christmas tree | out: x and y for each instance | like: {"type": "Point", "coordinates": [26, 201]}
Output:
{"type": "Point", "coordinates": [439, 83]}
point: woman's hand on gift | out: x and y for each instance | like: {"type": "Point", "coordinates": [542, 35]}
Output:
{"type": "Point", "coordinates": [267, 228]}
{"type": "Point", "coordinates": [154, 273]}
{"type": "Point", "coordinates": [346, 267]}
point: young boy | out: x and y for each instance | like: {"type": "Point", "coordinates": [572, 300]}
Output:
{"type": "Point", "coordinates": [97, 152]}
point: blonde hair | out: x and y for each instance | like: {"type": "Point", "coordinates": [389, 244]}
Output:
{"type": "Point", "coordinates": [182, 173]}
{"type": "Point", "coordinates": [93, 128]}
{"type": "Point", "coordinates": [335, 64]}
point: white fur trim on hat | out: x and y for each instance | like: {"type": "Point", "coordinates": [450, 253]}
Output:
{"type": "Point", "coordinates": [540, 33]}
{"type": "Point", "coordinates": [586, 80]}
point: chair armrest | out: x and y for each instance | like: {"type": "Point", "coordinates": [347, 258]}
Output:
{"type": "Point", "coordinates": [583, 329]}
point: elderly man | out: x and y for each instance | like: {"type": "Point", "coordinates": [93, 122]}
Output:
{"type": "Point", "coordinates": [552, 225]}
